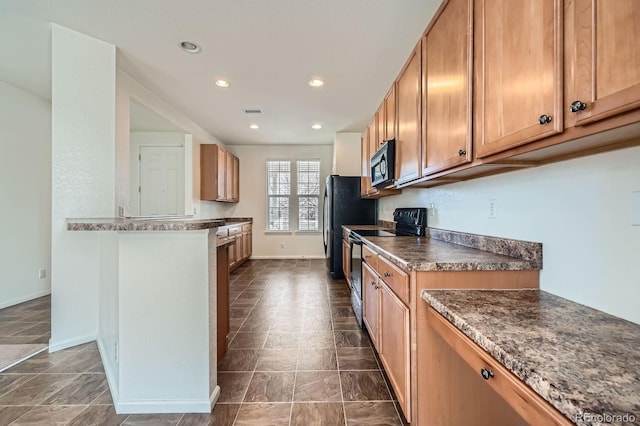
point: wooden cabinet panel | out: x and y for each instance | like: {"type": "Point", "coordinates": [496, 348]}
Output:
{"type": "Point", "coordinates": [518, 63]}
{"type": "Point", "coordinates": [408, 131]}
{"type": "Point", "coordinates": [235, 178]}
{"type": "Point", "coordinates": [219, 174]}
{"type": "Point", "coordinates": [395, 278]}
{"type": "Point", "coordinates": [212, 173]}
{"type": "Point", "coordinates": [370, 303]}
{"type": "Point", "coordinates": [607, 70]}
{"type": "Point", "coordinates": [222, 300]}
{"type": "Point", "coordinates": [517, 404]}
{"type": "Point", "coordinates": [447, 74]}
{"type": "Point", "coordinates": [346, 261]}
{"type": "Point", "coordinates": [390, 114]}
{"type": "Point", "coordinates": [246, 241]}
{"type": "Point", "coordinates": [365, 179]}
{"type": "Point", "coordinates": [394, 345]}
{"type": "Point", "coordinates": [370, 257]}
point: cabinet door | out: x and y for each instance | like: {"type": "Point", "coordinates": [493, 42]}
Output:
{"type": "Point", "coordinates": [236, 180]}
{"type": "Point", "coordinates": [212, 183]}
{"type": "Point", "coordinates": [518, 62]}
{"type": "Point", "coordinates": [370, 297]}
{"type": "Point", "coordinates": [346, 261]}
{"type": "Point", "coordinates": [390, 114]}
{"type": "Point", "coordinates": [229, 177]}
{"type": "Point", "coordinates": [607, 72]}
{"type": "Point", "coordinates": [394, 345]}
{"type": "Point", "coordinates": [221, 175]}
{"type": "Point", "coordinates": [447, 72]}
{"type": "Point", "coordinates": [408, 132]}
{"type": "Point", "coordinates": [365, 179]}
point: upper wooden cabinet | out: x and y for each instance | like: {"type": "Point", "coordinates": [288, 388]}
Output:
{"type": "Point", "coordinates": [447, 73]}
{"type": "Point", "coordinates": [607, 56]}
{"type": "Point", "coordinates": [219, 174]}
{"type": "Point", "coordinates": [390, 114]}
{"type": "Point", "coordinates": [518, 66]}
{"type": "Point", "coordinates": [408, 115]}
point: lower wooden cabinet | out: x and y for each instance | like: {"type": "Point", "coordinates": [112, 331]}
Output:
{"type": "Point", "coordinates": [346, 260]}
{"type": "Point", "coordinates": [388, 322]}
{"type": "Point", "coordinates": [241, 250]}
{"type": "Point", "coordinates": [395, 345]}
{"type": "Point", "coordinates": [458, 394]}
{"type": "Point", "coordinates": [370, 304]}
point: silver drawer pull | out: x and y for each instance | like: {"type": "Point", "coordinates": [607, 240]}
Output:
{"type": "Point", "coordinates": [386, 274]}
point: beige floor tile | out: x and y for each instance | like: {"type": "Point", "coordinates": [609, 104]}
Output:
{"type": "Point", "coordinates": [317, 414]}
{"type": "Point", "coordinates": [48, 416]}
{"type": "Point", "coordinates": [264, 414]}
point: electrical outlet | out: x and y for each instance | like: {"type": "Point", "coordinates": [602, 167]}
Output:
{"type": "Point", "coordinates": [121, 211]}
{"type": "Point", "coordinates": [432, 209]}
{"type": "Point", "coordinates": [194, 211]}
{"type": "Point", "coordinates": [42, 273]}
{"type": "Point", "coordinates": [635, 208]}
{"type": "Point", "coordinates": [493, 208]}
{"type": "Point", "coordinates": [281, 245]}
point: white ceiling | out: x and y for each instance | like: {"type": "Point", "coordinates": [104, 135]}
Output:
{"type": "Point", "coordinates": [267, 49]}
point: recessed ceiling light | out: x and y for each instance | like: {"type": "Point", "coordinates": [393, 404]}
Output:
{"type": "Point", "coordinates": [254, 126]}
{"type": "Point", "coordinates": [315, 82]}
{"type": "Point", "coordinates": [316, 126]}
{"type": "Point", "coordinates": [189, 46]}
{"type": "Point", "coordinates": [222, 83]}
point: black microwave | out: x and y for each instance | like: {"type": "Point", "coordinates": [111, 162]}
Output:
{"type": "Point", "coordinates": [383, 164]}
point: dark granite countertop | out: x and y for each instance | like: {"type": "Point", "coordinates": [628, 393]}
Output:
{"type": "Point", "coordinates": [582, 361]}
{"type": "Point", "coordinates": [160, 223]}
{"type": "Point", "coordinates": [454, 251]}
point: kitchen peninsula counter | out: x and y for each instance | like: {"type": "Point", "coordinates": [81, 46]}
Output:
{"type": "Point", "coordinates": [582, 361]}
{"type": "Point", "coordinates": [158, 309]}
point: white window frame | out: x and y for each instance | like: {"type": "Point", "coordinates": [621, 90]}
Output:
{"type": "Point", "coordinates": [269, 196]}
{"type": "Point", "coordinates": [293, 197]}
{"type": "Point", "coordinates": [298, 196]}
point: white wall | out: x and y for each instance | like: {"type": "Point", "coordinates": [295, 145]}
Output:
{"type": "Point", "coordinates": [25, 195]}
{"type": "Point", "coordinates": [253, 200]}
{"type": "Point", "coordinates": [346, 154]}
{"type": "Point", "coordinates": [128, 88]}
{"type": "Point", "coordinates": [83, 177]}
{"type": "Point", "coordinates": [579, 209]}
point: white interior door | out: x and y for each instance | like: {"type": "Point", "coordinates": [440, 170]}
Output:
{"type": "Point", "coordinates": [161, 180]}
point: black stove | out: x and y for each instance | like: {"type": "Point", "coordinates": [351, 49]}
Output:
{"type": "Point", "coordinates": [409, 222]}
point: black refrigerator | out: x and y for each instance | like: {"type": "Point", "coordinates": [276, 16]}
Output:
{"type": "Point", "coordinates": [343, 206]}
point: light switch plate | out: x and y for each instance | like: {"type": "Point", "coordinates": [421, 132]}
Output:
{"type": "Point", "coordinates": [635, 208]}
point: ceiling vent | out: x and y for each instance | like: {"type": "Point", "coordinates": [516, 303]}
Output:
{"type": "Point", "coordinates": [252, 111]}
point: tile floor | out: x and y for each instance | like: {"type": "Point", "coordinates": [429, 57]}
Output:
{"type": "Point", "coordinates": [28, 322]}
{"type": "Point", "coordinates": [297, 357]}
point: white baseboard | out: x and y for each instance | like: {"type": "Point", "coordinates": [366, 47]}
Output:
{"type": "Point", "coordinates": [214, 396]}
{"type": "Point", "coordinates": [22, 299]}
{"type": "Point", "coordinates": [112, 379]}
{"type": "Point", "coordinates": [302, 256]}
{"type": "Point", "coordinates": [64, 344]}
{"type": "Point", "coordinates": [163, 406]}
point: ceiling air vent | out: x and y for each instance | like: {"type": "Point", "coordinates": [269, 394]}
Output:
{"type": "Point", "coordinates": [252, 111]}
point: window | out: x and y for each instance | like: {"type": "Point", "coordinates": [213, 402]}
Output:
{"type": "Point", "coordinates": [308, 184]}
{"type": "Point", "coordinates": [278, 192]}
{"type": "Point", "coordinates": [305, 180]}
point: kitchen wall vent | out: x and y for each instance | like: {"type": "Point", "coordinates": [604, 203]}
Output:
{"type": "Point", "coordinates": [252, 111]}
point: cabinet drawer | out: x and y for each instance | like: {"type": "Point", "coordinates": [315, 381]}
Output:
{"type": "Point", "coordinates": [370, 257]}
{"type": "Point", "coordinates": [522, 399]}
{"type": "Point", "coordinates": [395, 278]}
{"type": "Point", "coordinates": [222, 233]}
{"type": "Point", "coordinates": [246, 227]}
{"type": "Point", "coordinates": [235, 230]}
